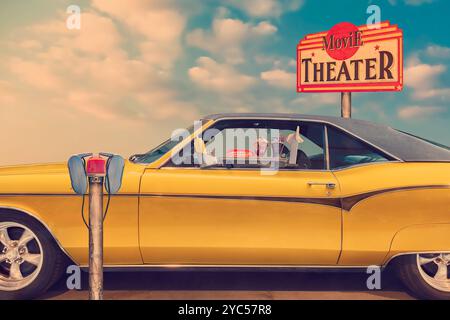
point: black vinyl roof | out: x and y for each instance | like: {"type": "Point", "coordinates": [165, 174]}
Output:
{"type": "Point", "coordinates": [393, 142]}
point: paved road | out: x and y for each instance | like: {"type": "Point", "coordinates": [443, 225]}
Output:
{"type": "Point", "coordinates": [236, 285]}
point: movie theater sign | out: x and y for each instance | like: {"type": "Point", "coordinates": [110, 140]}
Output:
{"type": "Point", "coordinates": [350, 58]}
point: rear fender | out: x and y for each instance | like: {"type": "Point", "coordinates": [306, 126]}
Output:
{"type": "Point", "coordinates": [421, 238]}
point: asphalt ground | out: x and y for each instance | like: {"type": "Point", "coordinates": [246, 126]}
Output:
{"type": "Point", "coordinates": [224, 285]}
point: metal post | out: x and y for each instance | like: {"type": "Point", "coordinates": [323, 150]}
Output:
{"type": "Point", "coordinates": [96, 238]}
{"type": "Point", "coordinates": [346, 104]}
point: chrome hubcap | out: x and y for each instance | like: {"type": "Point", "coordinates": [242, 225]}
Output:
{"type": "Point", "coordinates": [434, 269]}
{"type": "Point", "coordinates": [20, 256]}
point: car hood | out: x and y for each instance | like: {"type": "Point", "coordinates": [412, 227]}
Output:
{"type": "Point", "coordinates": [50, 168]}
{"type": "Point", "coordinates": [43, 168]}
{"type": "Point", "coordinates": [53, 178]}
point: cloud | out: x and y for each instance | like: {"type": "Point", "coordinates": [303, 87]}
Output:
{"type": "Point", "coordinates": [212, 75]}
{"type": "Point", "coordinates": [417, 2]}
{"type": "Point", "coordinates": [412, 2]}
{"type": "Point", "coordinates": [436, 51]}
{"type": "Point", "coordinates": [317, 103]}
{"type": "Point", "coordinates": [266, 8]}
{"type": "Point", "coordinates": [35, 74]}
{"type": "Point", "coordinates": [442, 93]}
{"type": "Point", "coordinates": [315, 100]}
{"type": "Point", "coordinates": [264, 28]}
{"type": "Point", "coordinates": [280, 78]}
{"type": "Point", "coordinates": [7, 94]}
{"type": "Point", "coordinates": [227, 36]}
{"type": "Point", "coordinates": [104, 39]}
{"type": "Point", "coordinates": [159, 23]}
{"type": "Point", "coordinates": [423, 75]}
{"type": "Point", "coordinates": [418, 112]}
{"type": "Point", "coordinates": [423, 79]}
{"type": "Point", "coordinates": [276, 62]}
{"type": "Point", "coordinates": [67, 64]}
{"type": "Point", "coordinates": [97, 88]}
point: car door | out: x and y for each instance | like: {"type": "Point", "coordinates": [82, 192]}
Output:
{"type": "Point", "coordinates": [242, 215]}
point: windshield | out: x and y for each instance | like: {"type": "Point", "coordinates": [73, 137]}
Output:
{"type": "Point", "coordinates": [159, 151]}
{"type": "Point", "coordinates": [437, 144]}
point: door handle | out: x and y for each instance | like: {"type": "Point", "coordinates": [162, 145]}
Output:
{"type": "Point", "coordinates": [329, 185]}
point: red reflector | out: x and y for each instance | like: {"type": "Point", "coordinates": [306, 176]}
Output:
{"type": "Point", "coordinates": [96, 165]}
{"type": "Point", "coordinates": [240, 153]}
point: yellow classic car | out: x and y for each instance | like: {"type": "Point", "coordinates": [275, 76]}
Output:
{"type": "Point", "coordinates": [247, 191]}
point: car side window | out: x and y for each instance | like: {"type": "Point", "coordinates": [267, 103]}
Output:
{"type": "Point", "coordinates": [346, 150]}
{"type": "Point", "coordinates": [250, 143]}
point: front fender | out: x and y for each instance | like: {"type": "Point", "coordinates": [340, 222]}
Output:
{"type": "Point", "coordinates": [24, 210]}
{"type": "Point", "coordinates": [21, 209]}
{"type": "Point", "coordinates": [420, 238]}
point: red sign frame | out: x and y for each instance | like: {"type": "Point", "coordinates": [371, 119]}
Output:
{"type": "Point", "coordinates": [314, 42]}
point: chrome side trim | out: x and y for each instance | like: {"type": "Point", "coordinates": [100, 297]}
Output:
{"type": "Point", "coordinates": [61, 195]}
{"type": "Point", "coordinates": [332, 202]}
{"type": "Point", "coordinates": [344, 202]}
{"type": "Point", "coordinates": [366, 165]}
{"type": "Point", "coordinates": [348, 202]}
{"type": "Point", "coordinates": [281, 170]}
{"type": "Point", "coordinates": [327, 150]}
{"type": "Point", "coordinates": [411, 253]}
{"type": "Point", "coordinates": [45, 226]}
{"type": "Point", "coordinates": [181, 267]}
{"type": "Point", "coordinates": [240, 169]}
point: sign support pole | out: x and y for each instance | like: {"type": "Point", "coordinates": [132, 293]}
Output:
{"type": "Point", "coordinates": [346, 104]}
{"type": "Point", "coordinates": [96, 238]}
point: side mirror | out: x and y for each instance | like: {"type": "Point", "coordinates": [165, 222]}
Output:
{"type": "Point", "coordinates": [206, 160]}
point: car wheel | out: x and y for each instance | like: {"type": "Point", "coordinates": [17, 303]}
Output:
{"type": "Point", "coordinates": [30, 262]}
{"type": "Point", "coordinates": [426, 275]}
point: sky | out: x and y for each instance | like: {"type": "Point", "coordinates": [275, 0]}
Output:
{"type": "Point", "coordinates": [136, 70]}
